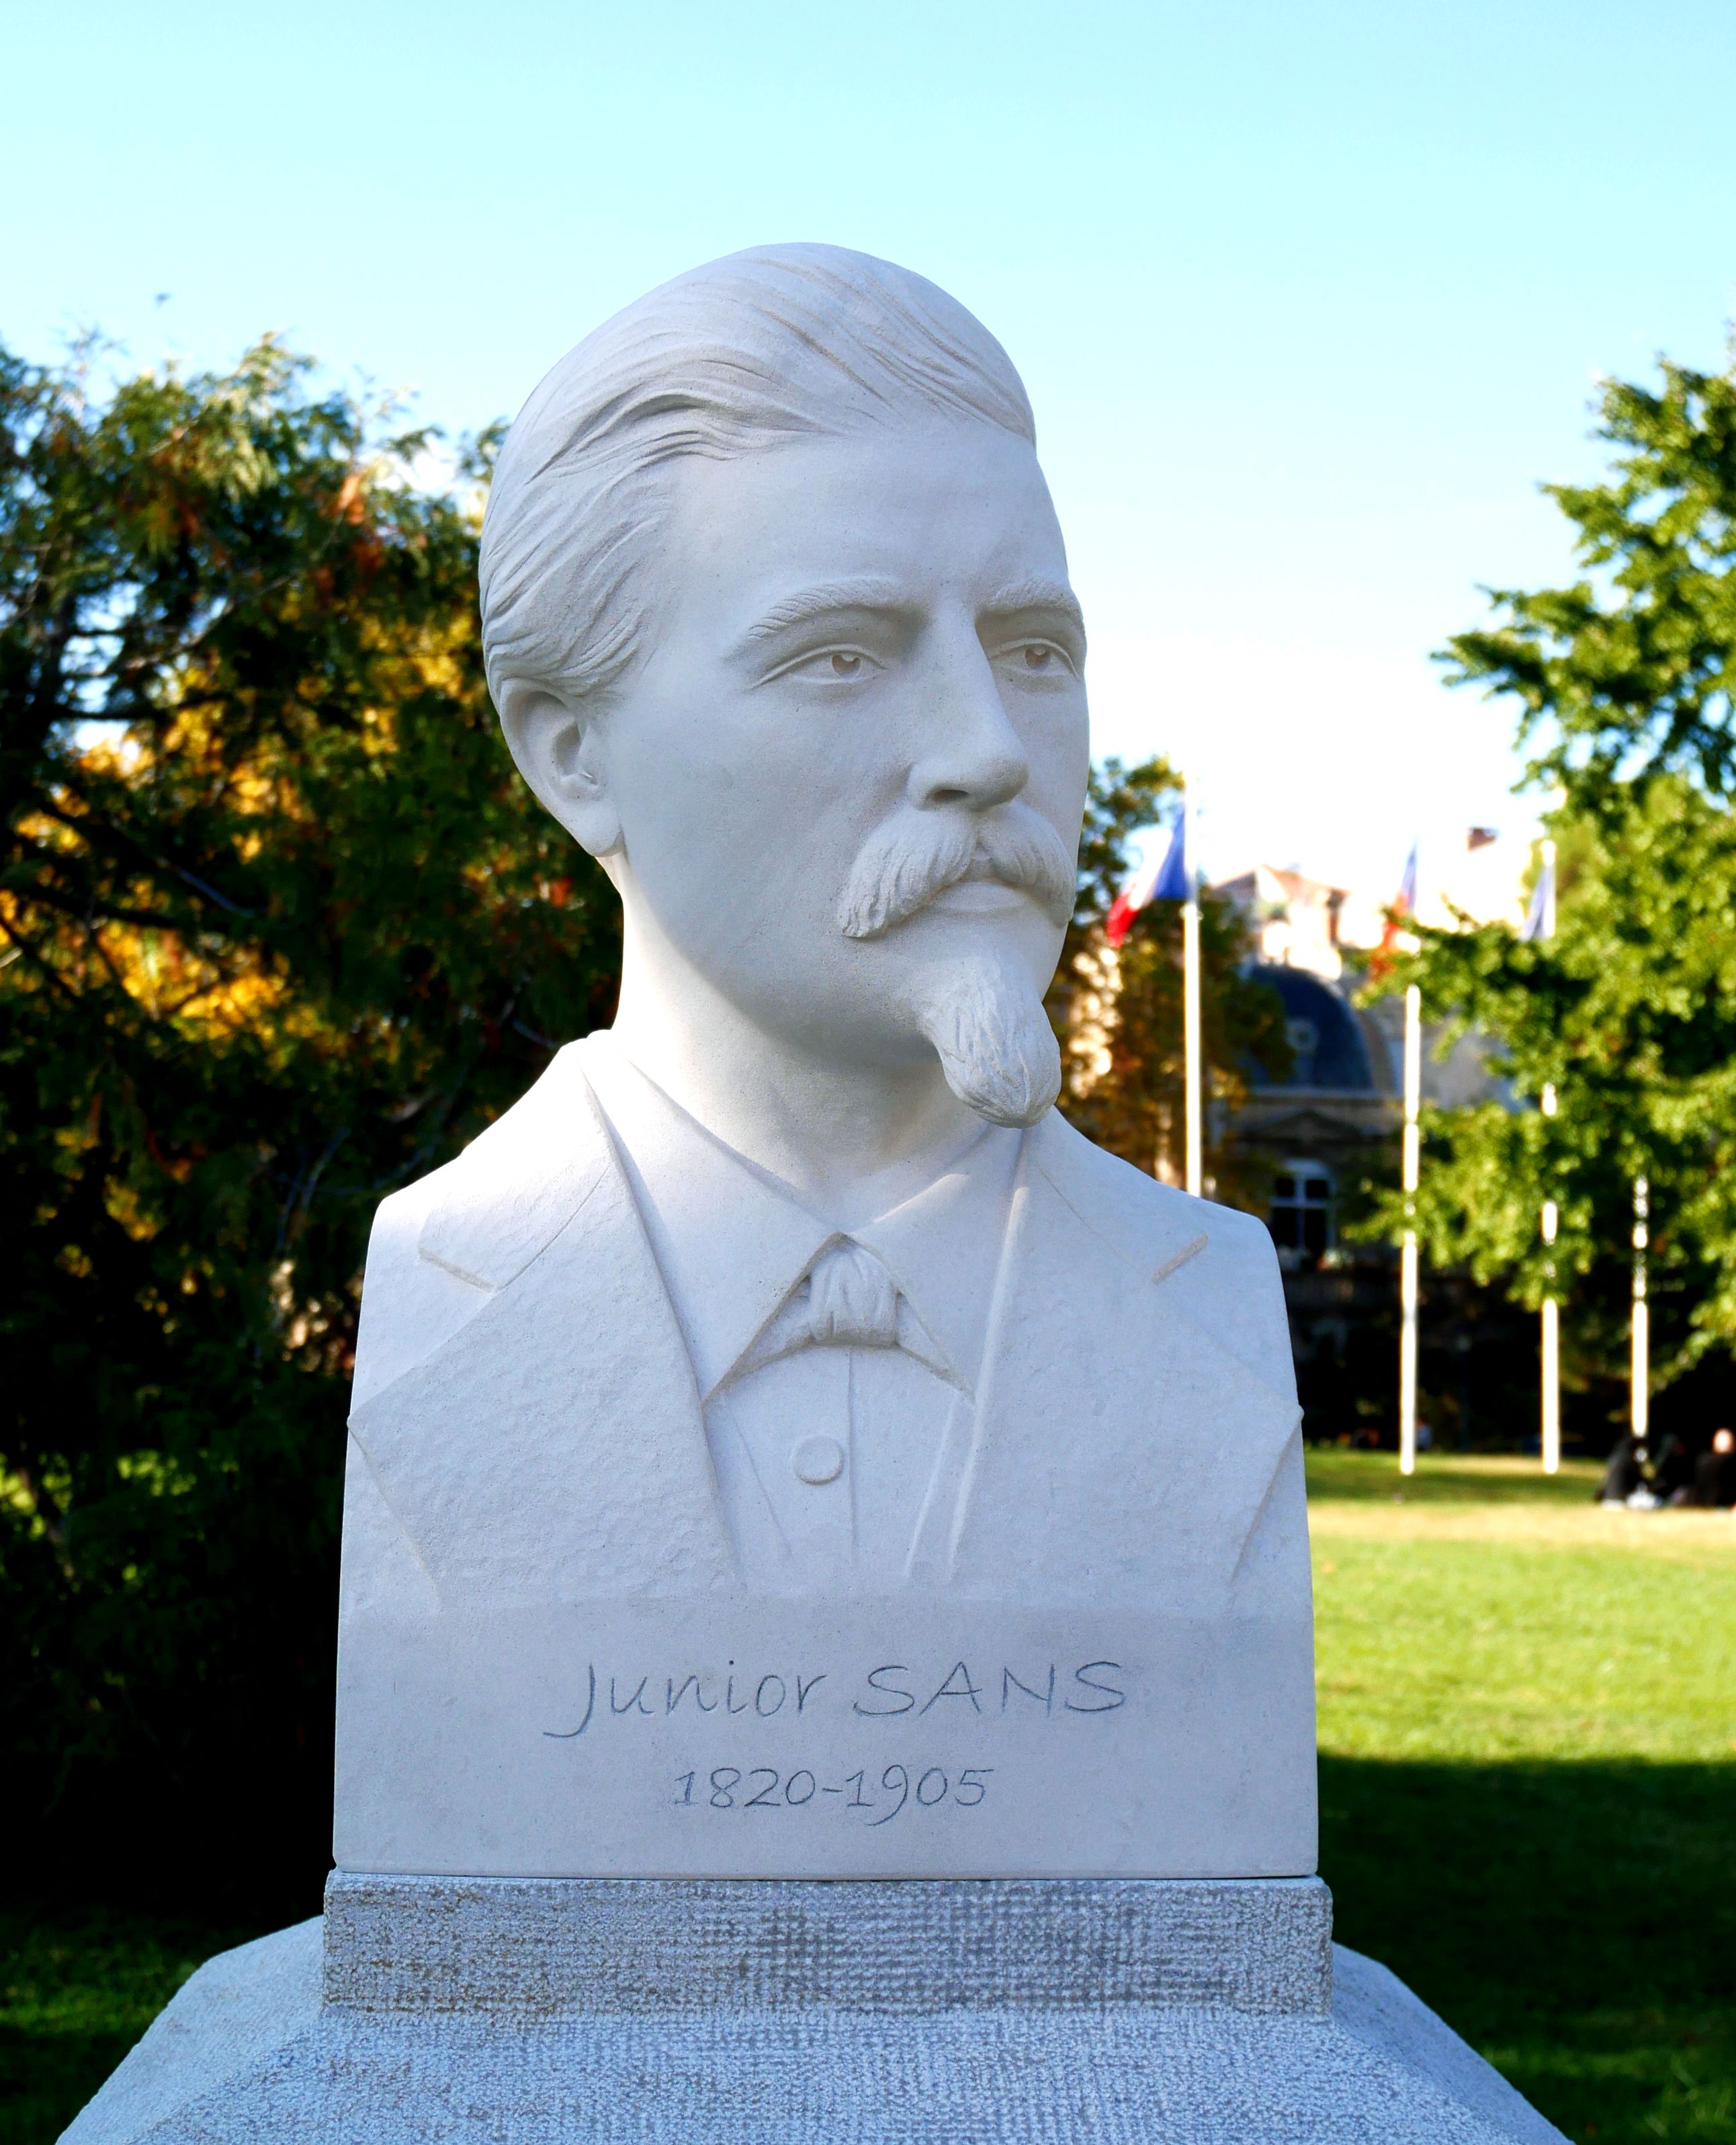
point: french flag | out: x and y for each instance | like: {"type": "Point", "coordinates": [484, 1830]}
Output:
{"type": "Point", "coordinates": [1403, 903]}
{"type": "Point", "coordinates": [1165, 880]}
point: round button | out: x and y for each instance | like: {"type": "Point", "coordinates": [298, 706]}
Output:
{"type": "Point", "coordinates": [819, 1459]}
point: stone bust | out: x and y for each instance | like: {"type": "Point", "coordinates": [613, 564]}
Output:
{"type": "Point", "coordinates": [782, 1387]}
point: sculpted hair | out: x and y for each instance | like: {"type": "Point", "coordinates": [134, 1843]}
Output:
{"type": "Point", "coordinates": [762, 347]}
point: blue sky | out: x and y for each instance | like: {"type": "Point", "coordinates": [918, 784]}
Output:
{"type": "Point", "coordinates": [1308, 296]}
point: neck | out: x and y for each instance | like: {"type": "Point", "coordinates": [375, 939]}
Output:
{"type": "Point", "coordinates": [845, 1135]}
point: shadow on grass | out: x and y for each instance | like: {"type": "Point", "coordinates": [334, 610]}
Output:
{"type": "Point", "coordinates": [1575, 1921]}
{"type": "Point", "coordinates": [1336, 1474]}
{"type": "Point", "coordinates": [78, 1985]}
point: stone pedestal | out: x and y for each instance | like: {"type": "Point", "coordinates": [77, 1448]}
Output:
{"type": "Point", "coordinates": [441, 2011]}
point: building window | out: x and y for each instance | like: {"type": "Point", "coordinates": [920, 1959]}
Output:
{"type": "Point", "coordinates": [1301, 1219]}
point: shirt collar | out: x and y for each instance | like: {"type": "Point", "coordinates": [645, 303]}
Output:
{"type": "Point", "coordinates": [732, 1241]}
{"type": "Point", "coordinates": [943, 1245]}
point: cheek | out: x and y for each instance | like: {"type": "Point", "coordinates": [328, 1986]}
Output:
{"type": "Point", "coordinates": [732, 833]}
{"type": "Point", "coordinates": [1056, 739]}
{"type": "Point", "coordinates": [793, 782]}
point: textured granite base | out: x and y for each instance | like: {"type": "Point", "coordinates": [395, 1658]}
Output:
{"type": "Point", "coordinates": [451, 2012]}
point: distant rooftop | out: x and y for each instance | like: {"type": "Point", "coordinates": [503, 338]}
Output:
{"type": "Point", "coordinates": [1298, 922]}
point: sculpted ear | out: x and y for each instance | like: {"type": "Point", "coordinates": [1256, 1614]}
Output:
{"type": "Point", "coordinates": [559, 751]}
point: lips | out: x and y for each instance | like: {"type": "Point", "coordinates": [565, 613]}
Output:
{"type": "Point", "coordinates": [979, 894]}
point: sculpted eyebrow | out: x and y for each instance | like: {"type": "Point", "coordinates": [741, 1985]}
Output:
{"type": "Point", "coordinates": [802, 608]}
{"type": "Point", "coordinates": [1037, 595]}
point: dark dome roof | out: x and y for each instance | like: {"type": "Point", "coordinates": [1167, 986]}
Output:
{"type": "Point", "coordinates": [1325, 1034]}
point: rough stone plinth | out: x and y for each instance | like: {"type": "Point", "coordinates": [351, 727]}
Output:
{"type": "Point", "coordinates": [644, 1946]}
{"type": "Point", "coordinates": [451, 2012]}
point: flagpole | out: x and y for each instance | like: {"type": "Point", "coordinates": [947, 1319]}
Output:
{"type": "Point", "coordinates": [1191, 1004]}
{"type": "Point", "coordinates": [1640, 1384]}
{"type": "Point", "coordinates": [1550, 1336]}
{"type": "Point", "coordinates": [1173, 879]}
{"type": "Point", "coordinates": [1407, 1268]}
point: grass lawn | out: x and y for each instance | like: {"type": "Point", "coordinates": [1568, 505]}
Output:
{"type": "Point", "coordinates": [1528, 1774]}
{"type": "Point", "coordinates": [1528, 1771]}
{"type": "Point", "coordinates": [76, 1989]}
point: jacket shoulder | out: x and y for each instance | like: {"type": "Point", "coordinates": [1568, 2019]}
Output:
{"type": "Point", "coordinates": [516, 1186]}
{"type": "Point", "coordinates": [440, 1247]}
{"type": "Point", "coordinates": [1135, 1210]}
{"type": "Point", "coordinates": [1215, 1263]}
{"type": "Point", "coordinates": [409, 1304]}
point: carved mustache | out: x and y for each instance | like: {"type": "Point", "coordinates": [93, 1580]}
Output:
{"type": "Point", "coordinates": [916, 854]}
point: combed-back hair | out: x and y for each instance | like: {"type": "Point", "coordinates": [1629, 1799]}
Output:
{"type": "Point", "coordinates": [761, 347]}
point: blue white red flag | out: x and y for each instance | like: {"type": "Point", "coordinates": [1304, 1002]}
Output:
{"type": "Point", "coordinates": [1402, 905]}
{"type": "Point", "coordinates": [1404, 901]}
{"type": "Point", "coordinates": [1163, 878]}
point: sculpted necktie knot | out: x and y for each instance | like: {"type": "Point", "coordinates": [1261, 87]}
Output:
{"type": "Point", "coordinates": [852, 1302]}
{"type": "Point", "coordinates": [847, 1299]}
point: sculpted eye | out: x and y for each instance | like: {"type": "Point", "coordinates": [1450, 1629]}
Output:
{"type": "Point", "coordinates": [1038, 658]}
{"type": "Point", "coordinates": [831, 666]}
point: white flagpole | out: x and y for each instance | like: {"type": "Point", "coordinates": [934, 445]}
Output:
{"type": "Point", "coordinates": [1550, 1335]}
{"type": "Point", "coordinates": [1407, 1268]}
{"type": "Point", "coordinates": [1190, 1002]}
{"type": "Point", "coordinates": [1639, 1381]}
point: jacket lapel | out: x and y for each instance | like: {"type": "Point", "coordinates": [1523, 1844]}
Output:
{"type": "Point", "coordinates": [556, 1441]}
{"type": "Point", "coordinates": [1120, 1452]}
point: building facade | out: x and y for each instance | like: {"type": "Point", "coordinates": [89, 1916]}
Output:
{"type": "Point", "coordinates": [1322, 1133]}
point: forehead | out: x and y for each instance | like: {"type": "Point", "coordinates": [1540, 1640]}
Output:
{"type": "Point", "coordinates": [954, 510]}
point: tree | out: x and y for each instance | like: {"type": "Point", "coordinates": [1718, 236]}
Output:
{"type": "Point", "coordinates": [1119, 1012]}
{"type": "Point", "coordinates": [1624, 683]}
{"type": "Point", "coordinates": [281, 930]}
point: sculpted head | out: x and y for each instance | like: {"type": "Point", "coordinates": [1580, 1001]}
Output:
{"type": "Point", "coordinates": [776, 614]}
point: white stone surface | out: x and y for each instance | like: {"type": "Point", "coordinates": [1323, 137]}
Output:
{"type": "Point", "coordinates": [781, 1447]}
{"type": "Point", "coordinates": [1066, 2016]}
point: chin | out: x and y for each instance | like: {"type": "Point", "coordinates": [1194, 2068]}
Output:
{"type": "Point", "coordinates": [1016, 940]}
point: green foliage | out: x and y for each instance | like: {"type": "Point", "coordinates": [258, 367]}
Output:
{"type": "Point", "coordinates": [281, 930]}
{"type": "Point", "coordinates": [1624, 684]}
{"type": "Point", "coordinates": [1631, 673]}
{"type": "Point", "coordinates": [1120, 1015]}
{"type": "Point", "coordinates": [77, 1987]}
{"type": "Point", "coordinates": [1120, 801]}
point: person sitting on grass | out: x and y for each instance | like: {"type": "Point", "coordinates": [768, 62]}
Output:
{"type": "Point", "coordinates": [1673, 1471]}
{"type": "Point", "coordinates": [1715, 1479]}
{"type": "Point", "coordinates": [1624, 1474]}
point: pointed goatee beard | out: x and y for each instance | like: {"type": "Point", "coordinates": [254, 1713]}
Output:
{"type": "Point", "coordinates": [996, 1045]}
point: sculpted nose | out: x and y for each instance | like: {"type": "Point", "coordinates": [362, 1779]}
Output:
{"type": "Point", "coordinates": [973, 758]}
